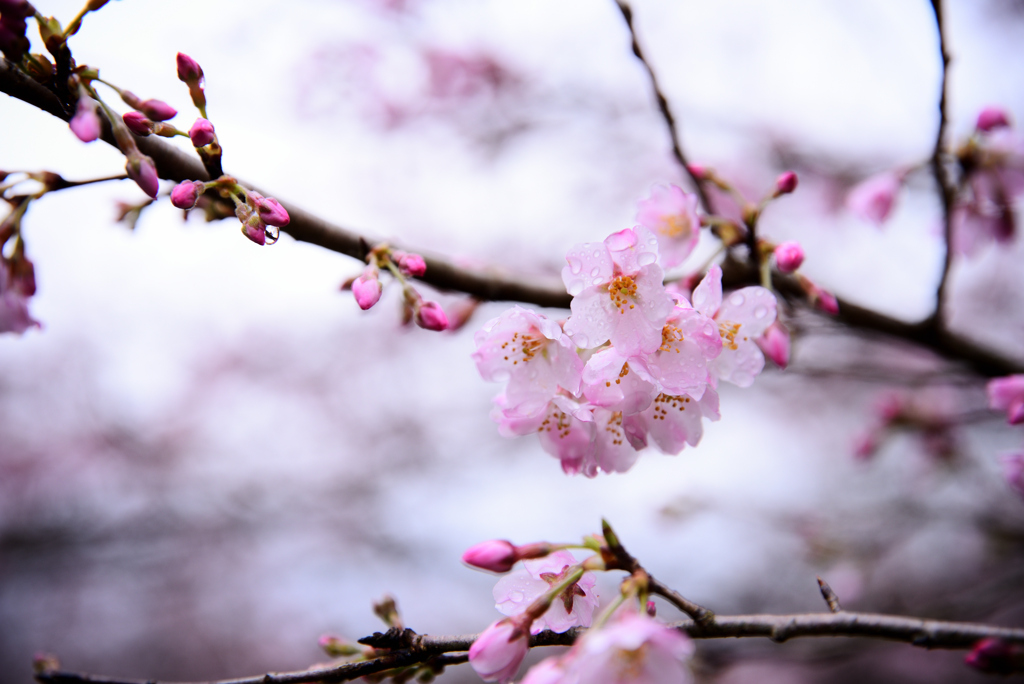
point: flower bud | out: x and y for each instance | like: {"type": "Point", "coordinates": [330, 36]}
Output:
{"type": "Point", "coordinates": [775, 344]}
{"type": "Point", "coordinates": [142, 170]}
{"type": "Point", "coordinates": [186, 194]}
{"type": "Point", "coordinates": [789, 256]}
{"type": "Point", "coordinates": [366, 289]}
{"type": "Point", "coordinates": [86, 122]}
{"type": "Point", "coordinates": [785, 184]}
{"type": "Point", "coordinates": [137, 123]}
{"type": "Point", "coordinates": [157, 110]}
{"type": "Point", "coordinates": [873, 199]}
{"type": "Point", "coordinates": [1007, 394]}
{"type": "Point", "coordinates": [337, 647]}
{"type": "Point", "coordinates": [201, 133]}
{"type": "Point", "coordinates": [496, 555]}
{"type": "Point", "coordinates": [431, 316]}
{"type": "Point", "coordinates": [412, 264]}
{"type": "Point", "coordinates": [991, 118]}
{"type": "Point", "coordinates": [272, 212]}
{"type": "Point", "coordinates": [255, 229]}
{"type": "Point", "coordinates": [188, 68]}
{"type": "Point", "coordinates": [499, 650]}
{"type": "Point", "coordinates": [995, 656]}
{"type": "Point", "coordinates": [698, 170]}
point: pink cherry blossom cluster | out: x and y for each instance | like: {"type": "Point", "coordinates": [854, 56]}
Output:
{"type": "Point", "coordinates": [367, 287]}
{"type": "Point", "coordinates": [552, 591]}
{"type": "Point", "coordinates": [991, 165]}
{"type": "Point", "coordinates": [636, 362]}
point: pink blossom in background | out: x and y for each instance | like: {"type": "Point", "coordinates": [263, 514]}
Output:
{"type": "Point", "coordinates": [1013, 471]}
{"type": "Point", "coordinates": [742, 317]}
{"type": "Point", "coordinates": [498, 651]}
{"type": "Point", "coordinates": [671, 214]}
{"type": "Point", "coordinates": [618, 293]}
{"type": "Point", "coordinates": [516, 591]}
{"type": "Point", "coordinates": [984, 213]}
{"type": "Point", "coordinates": [631, 649]}
{"type": "Point", "coordinates": [1007, 394]}
{"type": "Point", "coordinates": [14, 294]}
{"type": "Point", "coordinates": [85, 124]}
{"type": "Point", "coordinates": [873, 199]}
{"type": "Point", "coordinates": [991, 118]}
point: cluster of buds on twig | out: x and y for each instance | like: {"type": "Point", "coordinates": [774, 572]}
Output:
{"type": "Point", "coordinates": [367, 287]}
{"type": "Point", "coordinates": [261, 217]}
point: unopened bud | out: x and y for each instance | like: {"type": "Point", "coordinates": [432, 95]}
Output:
{"type": "Point", "coordinates": [496, 555]}
{"type": "Point", "coordinates": [272, 212]}
{"type": "Point", "coordinates": [789, 256]}
{"type": "Point", "coordinates": [337, 647]}
{"type": "Point", "coordinates": [157, 110]}
{"type": "Point", "coordinates": [137, 123]}
{"type": "Point", "coordinates": [186, 194]}
{"type": "Point", "coordinates": [255, 229]}
{"type": "Point", "coordinates": [85, 124]}
{"type": "Point", "coordinates": [785, 184]}
{"type": "Point", "coordinates": [201, 134]}
{"type": "Point", "coordinates": [652, 608]}
{"type": "Point", "coordinates": [431, 316]}
{"type": "Point", "coordinates": [188, 68]}
{"type": "Point", "coordinates": [412, 264]}
{"type": "Point", "coordinates": [991, 118]}
{"type": "Point", "coordinates": [775, 344]}
{"type": "Point", "coordinates": [698, 170]}
{"type": "Point", "coordinates": [366, 288]}
{"type": "Point", "coordinates": [995, 656]}
{"type": "Point", "coordinates": [142, 170]}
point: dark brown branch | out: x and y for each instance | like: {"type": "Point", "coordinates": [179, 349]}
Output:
{"type": "Point", "coordinates": [947, 190]}
{"type": "Point", "coordinates": [779, 628]}
{"type": "Point", "coordinates": [175, 165]}
{"type": "Point", "coordinates": [666, 111]}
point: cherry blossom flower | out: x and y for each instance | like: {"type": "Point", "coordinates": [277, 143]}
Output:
{"type": "Point", "coordinates": [1013, 471]}
{"type": "Point", "coordinates": [514, 593]}
{"type": "Point", "coordinates": [1007, 394]}
{"type": "Point", "coordinates": [675, 421]}
{"type": "Point", "coordinates": [671, 214]}
{"type": "Point", "coordinates": [499, 650]}
{"type": "Point", "coordinates": [532, 353]}
{"type": "Point", "coordinates": [742, 317]}
{"type": "Point", "coordinates": [874, 198]}
{"type": "Point", "coordinates": [690, 341]}
{"type": "Point", "coordinates": [994, 166]}
{"type": "Point", "coordinates": [632, 649]}
{"type": "Point", "coordinates": [618, 293]}
{"type": "Point", "coordinates": [609, 382]}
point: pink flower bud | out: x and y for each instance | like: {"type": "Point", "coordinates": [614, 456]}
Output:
{"type": "Point", "coordinates": [827, 302]}
{"type": "Point", "coordinates": [142, 170]}
{"type": "Point", "coordinates": [865, 446]}
{"type": "Point", "coordinates": [785, 184]}
{"type": "Point", "coordinates": [991, 118]}
{"type": "Point", "coordinates": [775, 344]}
{"type": "Point", "coordinates": [995, 656]}
{"type": "Point", "coordinates": [366, 288]}
{"type": "Point", "coordinates": [412, 264]}
{"type": "Point", "coordinates": [698, 170]}
{"type": "Point", "coordinates": [431, 316]}
{"type": "Point", "coordinates": [652, 608]}
{"type": "Point", "coordinates": [272, 212]}
{"type": "Point", "coordinates": [137, 123]}
{"type": "Point", "coordinates": [789, 256]}
{"type": "Point", "coordinates": [187, 193]}
{"type": "Point", "coordinates": [255, 229]}
{"type": "Point", "coordinates": [188, 68]}
{"type": "Point", "coordinates": [201, 133]}
{"type": "Point", "coordinates": [873, 199]}
{"type": "Point", "coordinates": [498, 651]}
{"type": "Point", "coordinates": [1007, 394]}
{"type": "Point", "coordinates": [86, 122]}
{"type": "Point", "coordinates": [157, 110]}
{"type": "Point", "coordinates": [496, 555]}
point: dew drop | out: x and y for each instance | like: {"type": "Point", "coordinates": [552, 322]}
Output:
{"type": "Point", "coordinates": [595, 271]}
{"type": "Point", "coordinates": [645, 258]}
{"type": "Point", "coordinates": [516, 596]}
{"type": "Point", "coordinates": [736, 299]}
{"type": "Point", "coordinates": [597, 254]}
{"type": "Point", "coordinates": [575, 265]}
{"type": "Point", "coordinates": [761, 311]}
{"type": "Point", "coordinates": [581, 341]}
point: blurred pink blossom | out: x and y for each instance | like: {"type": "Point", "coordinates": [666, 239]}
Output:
{"type": "Point", "coordinates": [991, 118]}
{"type": "Point", "coordinates": [366, 289]}
{"type": "Point", "coordinates": [1013, 471]}
{"type": "Point", "coordinates": [873, 199]}
{"type": "Point", "coordinates": [671, 214]}
{"type": "Point", "coordinates": [85, 124]}
{"type": "Point", "coordinates": [775, 344]}
{"type": "Point", "coordinates": [1007, 394]}
{"type": "Point", "coordinates": [499, 650]}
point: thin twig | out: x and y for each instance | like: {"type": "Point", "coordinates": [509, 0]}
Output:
{"type": "Point", "coordinates": [666, 111]}
{"type": "Point", "coordinates": [947, 191]}
{"type": "Point", "coordinates": [779, 628]}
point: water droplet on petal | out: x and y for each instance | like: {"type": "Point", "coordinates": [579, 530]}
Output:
{"type": "Point", "coordinates": [595, 271]}
{"type": "Point", "coordinates": [597, 281]}
{"type": "Point", "coordinates": [761, 311]}
{"type": "Point", "coordinates": [581, 340]}
{"type": "Point", "coordinates": [516, 596]}
{"type": "Point", "coordinates": [575, 265]}
{"type": "Point", "coordinates": [736, 299]}
{"type": "Point", "coordinates": [597, 254]}
{"type": "Point", "coordinates": [645, 258]}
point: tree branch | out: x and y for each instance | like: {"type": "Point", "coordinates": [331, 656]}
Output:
{"type": "Point", "coordinates": [172, 164]}
{"type": "Point", "coordinates": [666, 112]}
{"type": "Point", "coordinates": [947, 190]}
{"type": "Point", "coordinates": [778, 628]}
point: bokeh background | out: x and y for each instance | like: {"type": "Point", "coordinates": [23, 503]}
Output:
{"type": "Point", "coordinates": [209, 456]}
